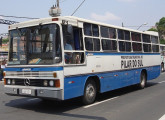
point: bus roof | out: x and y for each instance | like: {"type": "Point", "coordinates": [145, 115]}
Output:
{"type": "Point", "coordinates": [75, 19]}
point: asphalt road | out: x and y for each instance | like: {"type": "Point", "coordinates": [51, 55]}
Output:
{"type": "Point", "coordinates": [124, 104]}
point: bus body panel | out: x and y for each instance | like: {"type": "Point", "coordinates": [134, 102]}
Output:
{"type": "Point", "coordinates": [110, 71]}
{"type": "Point", "coordinates": [74, 85]}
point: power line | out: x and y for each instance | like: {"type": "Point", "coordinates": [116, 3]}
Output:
{"type": "Point", "coordinates": [4, 34]}
{"type": "Point", "coordinates": [18, 17]}
{"type": "Point", "coordinates": [7, 22]}
{"type": "Point", "coordinates": [78, 8]}
{"type": "Point", "coordinates": [138, 26]}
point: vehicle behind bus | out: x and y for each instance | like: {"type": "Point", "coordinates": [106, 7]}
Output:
{"type": "Point", "coordinates": [162, 51]}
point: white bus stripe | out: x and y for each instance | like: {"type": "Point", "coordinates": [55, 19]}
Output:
{"type": "Point", "coordinates": [99, 102]}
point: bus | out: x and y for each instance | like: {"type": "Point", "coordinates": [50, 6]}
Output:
{"type": "Point", "coordinates": [162, 51]}
{"type": "Point", "coordinates": [67, 57]}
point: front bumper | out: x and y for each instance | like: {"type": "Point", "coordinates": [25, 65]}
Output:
{"type": "Point", "coordinates": [38, 92]}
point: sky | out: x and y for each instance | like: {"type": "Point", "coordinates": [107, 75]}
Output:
{"type": "Point", "coordinates": [115, 12]}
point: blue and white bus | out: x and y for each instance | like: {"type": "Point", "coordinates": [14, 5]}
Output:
{"type": "Point", "coordinates": [66, 57]}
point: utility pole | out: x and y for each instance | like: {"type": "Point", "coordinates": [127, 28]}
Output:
{"type": "Point", "coordinates": [58, 4]}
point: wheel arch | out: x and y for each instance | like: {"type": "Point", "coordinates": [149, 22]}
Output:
{"type": "Point", "coordinates": [145, 71]}
{"type": "Point", "coordinates": [96, 79]}
{"type": "Point", "coordinates": [162, 63]}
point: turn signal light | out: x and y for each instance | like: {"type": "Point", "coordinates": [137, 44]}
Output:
{"type": "Point", "coordinates": [57, 83]}
{"type": "Point", "coordinates": [4, 74]}
{"type": "Point", "coordinates": [4, 81]}
{"type": "Point", "coordinates": [55, 75]}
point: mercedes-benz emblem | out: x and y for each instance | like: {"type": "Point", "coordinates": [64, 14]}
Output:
{"type": "Point", "coordinates": [26, 82]}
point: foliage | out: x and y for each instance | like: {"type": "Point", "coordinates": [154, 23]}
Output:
{"type": "Point", "coordinates": [153, 29]}
{"type": "Point", "coordinates": [4, 41]}
{"type": "Point", "coordinates": [162, 41]}
{"type": "Point", "coordinates": [161, 27]}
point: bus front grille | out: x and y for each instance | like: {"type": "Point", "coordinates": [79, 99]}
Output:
{"type": "Point", "coordinates": [29, 74]}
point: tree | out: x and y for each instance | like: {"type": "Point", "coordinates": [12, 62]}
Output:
{"type": "Point", "coordinates": [1, 41]}
{"type": "Point", "coordinates": [161, 28]}
{"type": "Point", "coordinates": [153, 29]}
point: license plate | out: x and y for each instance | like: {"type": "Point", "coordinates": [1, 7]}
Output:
{"type": "Point", "coordinates": [26, 91]}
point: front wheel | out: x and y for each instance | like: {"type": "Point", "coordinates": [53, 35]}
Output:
{"type": "Point", "coordinates": [143, 80]}
{"type": "Point", "coordinates": [89, 92]}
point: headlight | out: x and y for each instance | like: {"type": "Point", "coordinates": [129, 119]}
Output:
{"type": "Point", "coordinates": [13, 82]}
{"type": "Point", "coordinates": [51, 83]}
{"type": "Point", "coordinates": [8, 81]}
{"type": "Point", "coordinates": [45, 83]}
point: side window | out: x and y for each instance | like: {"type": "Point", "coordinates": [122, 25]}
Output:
{"type": "Point", "coordinates": [95, 30]}
{"type": "Point", "coordinates": [147, 47]}
{"type": "Point", "coordinates": [89, 44]}
{"type": "Point", "coordinates": [104, 32]}
{"type": "Point", "coordinates": [154, 39]}
{"type": "Point", "coordinates": [92, 44]}
{"type": "Point", "coordinates": [128, 46]}
{"type": "Point", "coordinates": [68, 38]}
{"type": "Point", "coordinates": [87, 29]}
{"type": "Point", "coordinates": [120, 34]}
{"type": "Point", "coordinates": [109, 45]}
{"type": "Point", "coordinates": [91, 30]}
{"type": "Point", "coordinates": [137, 47]}
{"type": "Point", "coordinates": [112, 32]}
{"type": "Point", "coordinates": [78, 39]}
{"type": "Point", "coordinates": [123, 35]}
{"type": "Point", "coordinates": [155, 48]}
{"type": "Point", "coordinates": [126, 35]}
{"type": "Point", "coordinates": [124, 46]}
{"type": "Point", "coordinates": [136, 36]}
{"type": "Point", "coordinates": [146, 38]}
{"type": "Point", "coordinates": [96, 44]}
{"type": "Point", "coordinates": [73, 40]}
{"type": "Point", "coordinates": [108, 32]}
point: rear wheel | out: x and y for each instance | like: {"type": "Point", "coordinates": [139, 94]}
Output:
{"type": "Point", "coordinates": [89, 92]}
{"type": "Point", "coordinates": [143, 80]}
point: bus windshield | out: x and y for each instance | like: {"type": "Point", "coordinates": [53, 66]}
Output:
{"type": "Point", "coordinates": [37, 45]}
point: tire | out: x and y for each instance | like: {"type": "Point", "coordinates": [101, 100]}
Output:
{"type": "Point", "coordinates": [162, 67]}
{"type": "Point", "coordinates": [89, 92]}
{"type": "Point", "coordinates": [143, 80]}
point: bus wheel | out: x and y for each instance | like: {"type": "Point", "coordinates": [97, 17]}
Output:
{"type": "Point", "coordinates": [143, 80]}
{"type": "Point", "coordinates": [162, 67]}
{"type": "Point", "coordinates": [89, 92]}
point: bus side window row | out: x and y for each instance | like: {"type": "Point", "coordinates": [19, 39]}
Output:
{"type": "Point", "coordinates": [112, 33]}
{"type": "Point", "coordinates": [93, 44]}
